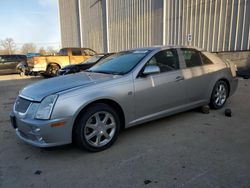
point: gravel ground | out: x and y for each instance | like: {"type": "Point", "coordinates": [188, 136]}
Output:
{"type": "Point", "coordinates": [190, 149]}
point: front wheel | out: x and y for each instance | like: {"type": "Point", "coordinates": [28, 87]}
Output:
{"type": "Point", "coordinates": [219, 95]}
{"type": "Point", "coordinates": [52, 70]}
{"type": "Point", "coordinates": [97, 128]}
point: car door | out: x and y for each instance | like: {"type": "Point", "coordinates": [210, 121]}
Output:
{"type": "Point", "coordinates": [2, 66]}
{"type": "Point", "coordinates": [162, 92]}
{"type": "Point", "coordinates": [6, 64]}
{"type": "Point", "coordinates": [197, 75]}
{"type": "Point", "coordinates": [76, 56]}
{"type": "Point", "coordinates": [13, 62]}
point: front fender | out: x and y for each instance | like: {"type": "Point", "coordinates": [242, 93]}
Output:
{"type": "Point", "coordinates": [72, 103]}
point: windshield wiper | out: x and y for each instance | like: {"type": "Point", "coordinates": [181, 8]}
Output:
{"type": "Point", "coordinates": [104, 72]}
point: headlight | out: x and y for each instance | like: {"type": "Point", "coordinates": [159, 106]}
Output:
{"type": "Point", "coordinates": [46, 107]}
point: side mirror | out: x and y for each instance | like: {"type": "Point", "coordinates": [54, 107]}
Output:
{"type": "Point", "coordinates": [151, 69]}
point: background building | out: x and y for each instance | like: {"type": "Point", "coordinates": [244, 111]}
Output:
{"type": "Point", "coordinates": [69, 23]}
{"type": "Point", "coordinates": [114, 25]}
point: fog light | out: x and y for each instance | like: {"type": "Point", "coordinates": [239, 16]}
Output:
{"type": "Point", "coordinates": [39, 138]}
{"type": "Point", "coordinates": [35, 129]}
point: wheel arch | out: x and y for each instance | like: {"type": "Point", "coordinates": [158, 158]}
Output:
{"type": "Point", "coordinates": [109, 102]}
{"type": "Point", "coordinates": [214, 83]}
{"type": "Point", "coordinates": [228, 84]}
{"type": "Point", "coordinates": [52, 63]}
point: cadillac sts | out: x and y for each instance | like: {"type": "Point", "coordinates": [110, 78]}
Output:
{"type": "Point", "coordinates": [126, 89]}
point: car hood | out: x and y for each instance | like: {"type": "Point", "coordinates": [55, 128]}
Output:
{"type": "Point", "coordinates": [41, 89]}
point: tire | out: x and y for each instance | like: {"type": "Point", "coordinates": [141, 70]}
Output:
{"type": "Point", "coordinates": [94, 138]}
{"type": "Point", "coordinates": [219, 95]}
{"type": "Point", "coordinates": [52, 70]}
{"type": "Point", "coordinates": [22, 74]}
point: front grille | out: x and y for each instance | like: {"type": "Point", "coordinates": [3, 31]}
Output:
{"type": "Point", "coordinates": [22, 104]}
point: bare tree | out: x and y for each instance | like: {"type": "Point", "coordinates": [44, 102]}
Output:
{"type": "Point", "coordinates": [9, 46]}
{"type": "Point", "coordinates": [2, 52]}
{"type": "Point", "coordinates": [28, 48]}
{"type": "Point", "coordinates": [42, 51]}
{"type": "Point", "coordinates": [51, 51]}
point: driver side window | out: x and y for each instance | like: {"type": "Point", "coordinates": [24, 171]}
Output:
{"type": "Point", "coordinates": [166, 60]}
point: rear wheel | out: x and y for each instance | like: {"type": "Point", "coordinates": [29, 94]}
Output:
{"type": "Point", "coordinates": [22, 73]}
{"type": "Point", "coordinates": [97, 128]}
{"type": "Point", "coordinates": [219, 95]}
{"type": "Point", "coordinates": [52, 70]}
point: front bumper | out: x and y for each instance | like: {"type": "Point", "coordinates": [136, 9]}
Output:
{"type": "Point", "coordinates": [37, 67]}
{"type": "Point", "coordinates": [41, 133]}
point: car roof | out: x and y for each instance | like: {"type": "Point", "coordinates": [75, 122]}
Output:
{"type": "Point", "coordinates": [159, 47]}
{"type": "Point", "coordinates": [13, 55]}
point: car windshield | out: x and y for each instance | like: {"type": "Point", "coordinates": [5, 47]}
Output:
{"type": "Point", "coordinates": [120, 63]}
{"type": "Point", "coordinates": [93, 59]}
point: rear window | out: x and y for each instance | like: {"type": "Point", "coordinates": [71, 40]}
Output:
{"type": "Point", "coordinates": [205, 60]}
{"type": "Point", "coordinates": [89, 52]}
{"type": "Point", "coordinates": [76, 52]}
{"type": "Point", "coordinates": [192, 57]}
{"type": "Point", "coordinates": [63, 51]}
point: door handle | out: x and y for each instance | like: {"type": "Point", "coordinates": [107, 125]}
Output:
{"type": "Point", "coordinates": [179, 78]}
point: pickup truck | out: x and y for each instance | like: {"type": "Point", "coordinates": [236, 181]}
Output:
{"type": "Point", "coordinates": [48, 66]}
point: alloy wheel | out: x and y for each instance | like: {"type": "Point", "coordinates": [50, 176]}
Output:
{"type": "Point", "coordinates": [100, 129]}
{"type": "Point", "coordinates": [220, 95]}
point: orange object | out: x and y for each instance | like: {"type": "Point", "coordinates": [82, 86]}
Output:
{"type": "Point", "coordinates": [57, 124]}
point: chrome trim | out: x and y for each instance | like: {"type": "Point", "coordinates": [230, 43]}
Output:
{"type": "Point", "coordinates": [20, 114]}
{"type": "Point", "coordinates": [27, 98]}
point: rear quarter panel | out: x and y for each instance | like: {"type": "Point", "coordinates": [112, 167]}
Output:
{"type": "Point", "coordinates": [220, 71]}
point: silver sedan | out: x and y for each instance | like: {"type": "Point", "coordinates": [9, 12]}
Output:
{"type": "Point", "coordinates": [126, 89]}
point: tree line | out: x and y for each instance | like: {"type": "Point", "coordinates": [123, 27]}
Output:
{"type": "Point", "coordinates": [8, 47]}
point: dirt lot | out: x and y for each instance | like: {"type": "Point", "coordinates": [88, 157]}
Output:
{"type": "Point", "coordinates": [190, 149]}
